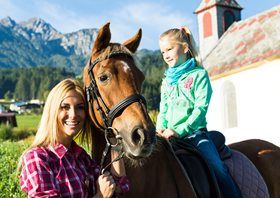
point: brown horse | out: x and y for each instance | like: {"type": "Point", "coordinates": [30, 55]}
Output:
{"type": "Point", "coordinates": [266, 157]}
{"type": "Point", "coordinates": [117, 108]}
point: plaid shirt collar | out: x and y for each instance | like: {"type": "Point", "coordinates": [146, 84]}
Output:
{"type": "Point", "coordinates": [60, 150]}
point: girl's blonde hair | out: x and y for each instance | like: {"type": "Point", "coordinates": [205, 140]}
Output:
{"type": "Point", "coordinates": [183, 36]}
{"type": "Point", "coordinates": [47, 132]}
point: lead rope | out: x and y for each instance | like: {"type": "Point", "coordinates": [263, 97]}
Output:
{"type": "Point", "coordinates": [116, 159]}
{"type": "Point", "coordinates": [105, 152]}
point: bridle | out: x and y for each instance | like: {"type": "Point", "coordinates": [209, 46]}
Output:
{"type": "Point", "coordinates": [93, 94]}
{"type": "Point", "coordinates": [108, 115]}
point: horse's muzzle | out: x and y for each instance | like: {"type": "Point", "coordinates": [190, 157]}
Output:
{"type": "Point", "coordinates": [140, 144]}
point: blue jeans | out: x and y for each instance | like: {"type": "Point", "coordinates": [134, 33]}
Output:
{"type": "Point", "coordinates": [206, 147]}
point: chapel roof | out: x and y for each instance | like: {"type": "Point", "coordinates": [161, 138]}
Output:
{"type": "Point", "coordinates": [246, 42]}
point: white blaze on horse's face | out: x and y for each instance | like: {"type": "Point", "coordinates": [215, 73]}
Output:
{"type": "Point", "coordinates": [126, 67]}
{"type": "Point", "coordinates": [127, 70]}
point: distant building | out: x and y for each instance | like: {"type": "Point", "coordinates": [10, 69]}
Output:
{"type": "Point", "coordinates": [214, 18]}
{"type": "Point", "coordinates": [243, 61]}
{"type": "Point", "coordinates": [8, 118]}
{"type": "Point", "coordinates": [15, 106]}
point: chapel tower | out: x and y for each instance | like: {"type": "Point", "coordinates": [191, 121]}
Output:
{"type": "Point", "coordinates": [214, 18]}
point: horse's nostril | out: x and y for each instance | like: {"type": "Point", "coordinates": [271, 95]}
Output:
{"type": "Point", "coordinates": [138, 136]}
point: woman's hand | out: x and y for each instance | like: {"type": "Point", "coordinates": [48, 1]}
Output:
{"type": "Point", "coordinates": [105, 186]}
{"type": "Point", "coordinates": [167, 133]}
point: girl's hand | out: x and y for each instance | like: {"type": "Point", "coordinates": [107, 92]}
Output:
{"type": "Point", "coordinates": [167, 133]}
{"type": "Point", "coordinates": [105, 186]}
{"type": "Point", "coordinates": [160, 132]}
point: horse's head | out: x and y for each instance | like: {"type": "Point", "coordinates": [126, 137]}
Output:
{"type": "Point", "coordinates": [113, 85]}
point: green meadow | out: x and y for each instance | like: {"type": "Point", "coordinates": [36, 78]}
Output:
{"type": "Point", "coordinates": [13, 141]}
{"type": "Point", "coordinates": [28, 121]}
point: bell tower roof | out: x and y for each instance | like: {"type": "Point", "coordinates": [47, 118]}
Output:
{"type": "Point", "coordinates": [214, 18]}
{"type": "Point", "coordinates": [206, 4]}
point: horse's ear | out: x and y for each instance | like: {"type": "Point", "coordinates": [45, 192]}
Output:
{"type": "Point", "coordinates": [102, 39]}
{"type": "Point", "coordinates": [133, 43]}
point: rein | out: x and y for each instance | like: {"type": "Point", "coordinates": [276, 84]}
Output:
{"type": "Point", "coordinates": [117, 146]}
{"type": "Point", "coordinates": [106, 114]}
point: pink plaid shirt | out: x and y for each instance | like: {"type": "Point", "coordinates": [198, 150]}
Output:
{"type": "Point", "coordinates": [61, 172]}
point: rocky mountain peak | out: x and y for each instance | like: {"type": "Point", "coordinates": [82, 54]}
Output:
{"type": "Point", "coordinates": [39, 28]}
{"type": "Point", "coordinates": [8, 22]}
{"type": "Point", "coordinates": [82, 39]}
{"type": "Point", "coordinates": [40, 43]}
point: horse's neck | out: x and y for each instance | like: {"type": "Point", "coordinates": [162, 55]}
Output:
{"type": "Point", "coordinates": [160, 176]}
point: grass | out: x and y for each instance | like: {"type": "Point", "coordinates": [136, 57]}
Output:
{"type": "Point", "coordinates": [11, 150]}
{"type": "Point", "coordinates": [28, 121]}
{"type": "Point", "coordinates": [26, 126]}
{"type": "Point", "coordinates": [9, 178]}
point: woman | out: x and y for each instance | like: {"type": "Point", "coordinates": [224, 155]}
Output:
{"type": "Point", "coordinates": [55, 165]}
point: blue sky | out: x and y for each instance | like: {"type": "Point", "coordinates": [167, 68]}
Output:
{"type": "Point", "coordinates": [126, 16]}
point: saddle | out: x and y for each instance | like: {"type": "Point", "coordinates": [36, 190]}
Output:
{"type": "Point", "coordinates": [243, 171]}
{"type": "Point", "coordinates": [201, 175]}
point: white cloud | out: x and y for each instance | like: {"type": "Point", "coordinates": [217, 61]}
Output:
{"type": "Point", "coordinates": [153, 18]}
{"type": "Point", "coordinates": [7, 8]}
{"type": "Point", "coordinates": [64, 20]}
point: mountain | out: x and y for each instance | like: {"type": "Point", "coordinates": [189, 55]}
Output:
{"type": "Point", "coordinates": [35, 43]}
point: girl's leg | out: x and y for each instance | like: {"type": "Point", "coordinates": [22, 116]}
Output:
{"type": "Point", "coordinates": [208, 150]}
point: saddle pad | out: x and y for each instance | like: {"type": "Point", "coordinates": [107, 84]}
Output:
{"type": "Point", "coordinates": [246, 175]}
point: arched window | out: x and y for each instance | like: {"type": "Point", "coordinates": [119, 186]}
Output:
{"type": "Point", "coordinates": [229, 18]}
{"type": "Point", "coordinates": [229, 107]}
{"type": "Point", "coordinates": [207, 25]}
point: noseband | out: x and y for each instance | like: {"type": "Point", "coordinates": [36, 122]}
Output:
{"type": "Point", "coordinates": [108, 115]}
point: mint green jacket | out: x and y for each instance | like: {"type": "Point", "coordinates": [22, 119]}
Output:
{"type": "Point", "coordinates": [183, 107]}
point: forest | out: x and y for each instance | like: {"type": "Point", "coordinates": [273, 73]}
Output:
{"type": "Point", "coordinates": [30, 83]}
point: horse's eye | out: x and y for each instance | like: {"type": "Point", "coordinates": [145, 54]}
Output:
{"type": "Point", "coordinates": [103, 78]}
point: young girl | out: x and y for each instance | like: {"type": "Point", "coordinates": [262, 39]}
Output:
{"type": "Point", "coordinates": [185, 95]}
{"type": "Point", "coordinates": [54, 165]}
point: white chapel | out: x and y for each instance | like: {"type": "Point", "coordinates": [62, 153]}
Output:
{"type": "Point", "coordinates": [242, 57]}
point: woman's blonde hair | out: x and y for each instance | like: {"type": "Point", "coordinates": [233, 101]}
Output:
{"type": "Point", "coordinates": [183, 36]}
{"type": "Point", "coordinates": [48, 128]}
